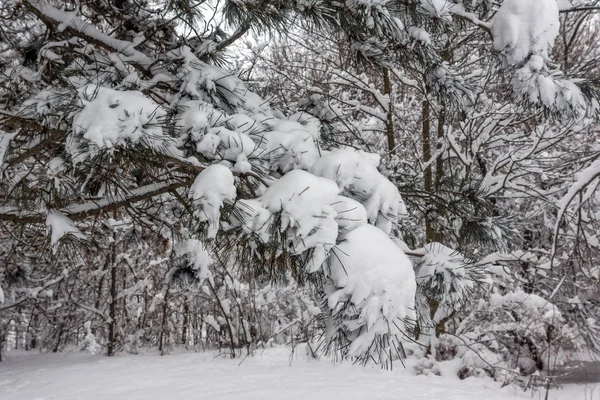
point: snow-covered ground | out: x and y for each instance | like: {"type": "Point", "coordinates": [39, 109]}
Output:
{"type": "Point", "coordinates": [272, 374]}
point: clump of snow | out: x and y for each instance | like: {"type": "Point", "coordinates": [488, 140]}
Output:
{"type": "Point", "coordinates": [280, 144]}
{"type": "Point", "coordinates": [531, 301]}
{"type": "Point", "coordinates": [420, 35]}
{"type": "Point", "coordinates": [524, 27]}
{"type": "Point", "coordinates": [198, 256]}
{"type": "Point", "coordinates": [89, 341]}
{"type": "Point", "coordinates": [533, 84]}
{"type": "Point", "coordinates": [200, 80]}
{"type": "Point", "coordinates": [288, 149]}
{"type": "Point", "coordinates": [242, 165]}
{"type": "Point", "coordinates": [438, 8]}
{"type": "Point", "coordinates": [303, 202]}
{"type": "Point", "coordinates": [111, 118]}
{"type": "Point", "coordinates": [59, 225]}
{"type": "Point", "coordinates": [445, 282]}
{"type": "Point", "coordinates": [350, 215]}
{"type": "Point", "coordinates": [356, 174]}
{"type": "Point", "coordinates": [254, 218]}
{"type": "Point", "coordinates": [444, 271]}
{"type": "Point", "coordinates": [212, 188]}
{"type": "Point", "coordinates": [372, 292]}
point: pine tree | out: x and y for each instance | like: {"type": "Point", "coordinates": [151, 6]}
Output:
{"type": "Point", "coordinates": [120, 125]}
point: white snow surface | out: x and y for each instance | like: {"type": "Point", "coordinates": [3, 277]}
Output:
{"type": "Point", "coordinates": [518, 298]}
{"type": "Point", "coordinates": [274, 373]}
{"type": "Point", "coordinates": [524, 27]}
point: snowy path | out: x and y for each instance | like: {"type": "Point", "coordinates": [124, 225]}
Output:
{"type": "Point", "coordinates": [199, 376]}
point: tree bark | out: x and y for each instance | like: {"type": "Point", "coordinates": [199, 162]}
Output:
{"type": "Point", "coordinates": [184, 329]}
{"type": "Point", "coordinates": [112, 312]}
{"type": "Point", "coordinates": [165, 319]}
{"type": "Point", "coordinates": [389, 125]}
{"type": "Point", "coordinates": [427, 174]}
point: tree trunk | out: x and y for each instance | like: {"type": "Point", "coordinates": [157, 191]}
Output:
{"type": "Point", "coordinates": [227, 321]}
{"type": "Point", "coordinates": [439, 162]}
{"type": "Point", "coordinates": [427, 174]}
{"type": "Point", "coordinates": [58, 340]}
{"type": "Point", "coordinates": [186, 321]}
{"type": "Point", "coordinates": [389, 125]}
{"type": "Point", "coordinates": [112, 311]}
{"type": "Point", "coordinates": [163, 328]}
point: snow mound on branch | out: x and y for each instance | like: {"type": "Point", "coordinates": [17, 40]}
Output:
{"type": "Point", "coordinates": [291, 148]}
{"type": "Point", "coordinates": [214, 85]}
{"type": "Point", "coordinates": [446, 279]}
{"type": "Point", "coordinates": [438, 8]}
{"type": "Point", "coordinates": [372, 295]}
{"type": "Point", "coordinates": [199, 256]}
{"type": "Point", "coordinates": [215, 134]}
{"type": "Point", "coordinates": [524, 27]}
{"type": "Point", "coordinates": [303, 202]}
{"type": "Point", "coordinates": [420, 34]}
{"type": "Point", "coordinates": [111, 118]}
{"type": "Point", "coordinates": [203, 81]}
{"type": "Point", "coordinates": [59, 225]}
{"type": "Point", "coordinates": [224, 120]}
{"type": "Point", "coordinates": [212, 188]}
{"type": "Point", "coordinates": [356, 174]}
{"type": "Point", "coordinates": [529, 301]}
{"type": "Point", "coordinates": [532, 83]}
{"type": "Point", "coordinates": [444, 271]}
{"type": "Point", "coordinates": [350, 215]}
{"type": "Point", "coordinates": [197, 259]}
